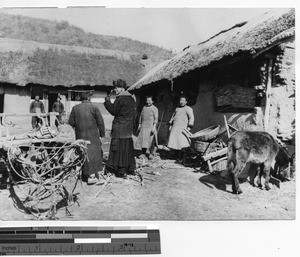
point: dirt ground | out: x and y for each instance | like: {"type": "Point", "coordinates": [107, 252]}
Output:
{"type": "Point", "coordinates": [170, 192]}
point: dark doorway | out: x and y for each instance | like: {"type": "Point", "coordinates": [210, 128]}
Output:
{"type": "Point", "coordinates": [1, 103]}
{"type": "Point", "coordinates": [52, 99]}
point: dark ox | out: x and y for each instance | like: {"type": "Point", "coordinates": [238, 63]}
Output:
{"type": "Point", "coordinates": [258, 148]}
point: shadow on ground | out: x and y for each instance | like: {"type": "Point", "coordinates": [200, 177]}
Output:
{"type": "Point", "coordinates": [214, 180]}
{"type": "Point", "coordinates": [220, 179]}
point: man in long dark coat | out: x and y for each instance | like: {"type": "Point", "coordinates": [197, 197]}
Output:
{"type": "Point", "coordinates": [89, 125]}
{"type": "Point", "coordinates": [121, 153]}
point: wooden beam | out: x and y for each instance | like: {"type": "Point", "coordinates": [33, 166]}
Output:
{"type": "Point", "coordinates": [268, 95]}
{"type": "Point", "coordinates": [232, 127]}
{"type": "Point", "coordinates": [271, 46]}
{"type": "Point", "coordinates": [231, 60]}
{"type": "Point", "coordinates": [28, 114]}
{"type": "Point", "coordinates": [221, 159]}
{"type": "Point", "coordinates": [43, 115]}
{"type": "Point", "coordinates": [215, 154]}
{"type": "Point", "coordinates": [5, 144]}
{"type": "Point", "coordinates": [209, 166]}
{"type": "Point", "coordinates": [226, 126]}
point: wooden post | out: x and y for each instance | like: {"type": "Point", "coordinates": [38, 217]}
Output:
{"type": "Point", "coordinates": [7, 132]}
{"type": "Point", "coordinates": [52, 119]}
{"type": "Point", "coordinates": [268, 94]}
{"type": "Point", "coordinates": [68, 104]}
{"type": "Point", "coordinates": [45, 119]}
{"type": "Point", "coordinates": [209, 166]}
{"type": "Point", "coordinates": [172, 86]}
{"type": "Point", "coordinates": [226, 126]}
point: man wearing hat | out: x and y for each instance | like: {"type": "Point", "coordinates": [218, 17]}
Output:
{"type": "Point", "coordinates": [121, 155]}
{"type": "Point", "coordinates": [89, 125]}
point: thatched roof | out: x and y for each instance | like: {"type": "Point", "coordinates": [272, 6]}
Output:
{"type": "Point", "coordinates": [246, 38]}
{"type": "Point", "coordinates": [24, 62]}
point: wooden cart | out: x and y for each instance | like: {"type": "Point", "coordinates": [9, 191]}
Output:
{"type": "Point", "coordinates": [210, 152]}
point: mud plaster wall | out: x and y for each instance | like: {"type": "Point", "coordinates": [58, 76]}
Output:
{"type": "Point", "coordinates": [282, 109]}
{"type": "Point", "coordinates": [17, 100]}
{"type": "Point", "coordinates": [205, 115]}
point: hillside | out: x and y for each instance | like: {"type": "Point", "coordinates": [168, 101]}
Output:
{"type": "Point", "coordinates": [46, 31]}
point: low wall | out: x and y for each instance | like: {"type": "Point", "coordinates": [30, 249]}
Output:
{"type": "Point", "coordinates": [17, 100]}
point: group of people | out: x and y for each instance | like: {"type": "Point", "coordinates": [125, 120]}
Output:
{"type": "Point", "coordinates": [182, 118]}
{"type": "Point", "coordinates": [89, 125]}
{"type": "Point", "coordinates": [37, 107]}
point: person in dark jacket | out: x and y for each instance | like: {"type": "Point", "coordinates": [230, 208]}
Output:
{"type": "Point", "coordinates": [121, 153]}
{"type": "Point", "coordinates": [58, 107]}
{"type": "Point", "coordinates": [36, 106]}
{"type": "Point", "coordinates": [89, 125]}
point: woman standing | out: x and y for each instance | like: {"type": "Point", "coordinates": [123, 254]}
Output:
{"type": "Point", "coordinates": [183, 118]}
{"type": "Point", "coordinates": [147, 128]}
{"type": "Point", "coordinates": [121, 155]}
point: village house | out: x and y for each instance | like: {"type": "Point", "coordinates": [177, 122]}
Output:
{"type": "Point", "coordinates": [29, 68]}
{"type": "Point", "coordinates": [246, 73]}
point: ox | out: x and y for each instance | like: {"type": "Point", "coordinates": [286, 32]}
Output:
{"type": "Point", "coordinates": [258, 148]}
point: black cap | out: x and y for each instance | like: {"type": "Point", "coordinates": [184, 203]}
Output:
{"type": "Point", "coordinates": [120, 83]}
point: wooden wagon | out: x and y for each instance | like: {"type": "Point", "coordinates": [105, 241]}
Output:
{"type": "Point", "coordinates": [208, 148]}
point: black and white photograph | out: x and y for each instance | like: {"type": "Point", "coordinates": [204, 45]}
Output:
{"type": "Point", "coordinates": [170, 114]}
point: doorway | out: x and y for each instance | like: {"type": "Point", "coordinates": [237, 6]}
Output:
{"type": "Point", "coordinates": [52, 97]}
{"type": "Point", "coordinates": [1, 103]}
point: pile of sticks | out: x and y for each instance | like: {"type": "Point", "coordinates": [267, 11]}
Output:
{"type": "Point", "coordinates": [45, 174]}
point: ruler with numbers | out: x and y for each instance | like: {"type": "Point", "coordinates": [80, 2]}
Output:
{"type": "Point", "coordinates": [79, 240]}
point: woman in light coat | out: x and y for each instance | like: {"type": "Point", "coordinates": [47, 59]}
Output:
{"type": "Point", "coordinates": [183, 118]}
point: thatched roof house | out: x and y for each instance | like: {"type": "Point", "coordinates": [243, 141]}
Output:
{"type": "Point", "coordinates": [243, 40]}
{"type": "Point", "coordinates": [24, 62]}
{"type": "Point", "coordinates": [29, 68]}
{"type": "Point", "coordinates": [246, 73]}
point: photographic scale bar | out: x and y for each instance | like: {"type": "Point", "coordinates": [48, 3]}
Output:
{"type": "Point", "coordinates": [79, 240]}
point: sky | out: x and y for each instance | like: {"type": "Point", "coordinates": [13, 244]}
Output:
{"type": "Point", "coordinates": [170, 28]}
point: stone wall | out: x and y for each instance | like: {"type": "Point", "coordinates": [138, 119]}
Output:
{"type": "Point", "coordinates": [282, 110]}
